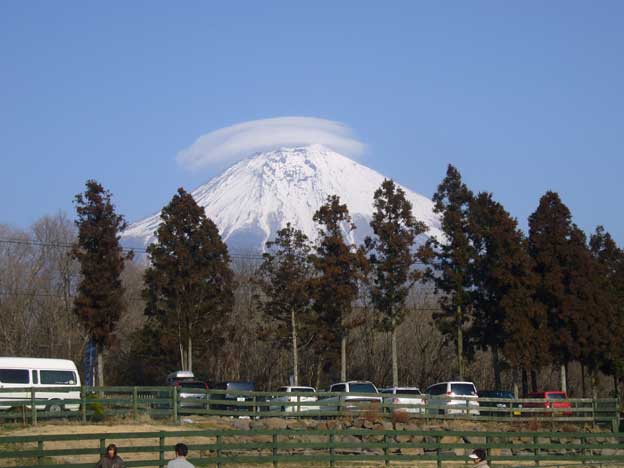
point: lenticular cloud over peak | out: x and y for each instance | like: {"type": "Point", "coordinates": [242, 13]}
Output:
{"type": "Point", "coordinates": [232, 143]}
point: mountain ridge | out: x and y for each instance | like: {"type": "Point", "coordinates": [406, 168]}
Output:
{"type": "Point", "coordinates": [258, 195]}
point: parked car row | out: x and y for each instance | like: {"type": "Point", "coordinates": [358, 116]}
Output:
{"type": "Point", "coordinates": [59, 381]}
{"type": "Point", "coordinates": [449, 398]}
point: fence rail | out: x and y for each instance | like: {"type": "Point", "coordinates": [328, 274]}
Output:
{"type": "Point", "coordinates": [314, 446]}
{"type": "Point", "coordinates": [33, 404]}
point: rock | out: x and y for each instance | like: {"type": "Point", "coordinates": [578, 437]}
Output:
{"type": "Point", "coordinates": [274, 424]}
{"type": "Point", "coordinates": [242, 424]}
{"type": "Point", "coordinates": [412, 451]}
{"type": "Point", "coordinates": [402, 439]}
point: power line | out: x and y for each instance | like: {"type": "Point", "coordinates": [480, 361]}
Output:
{"type": "Point", "coordinates": [233, 254]}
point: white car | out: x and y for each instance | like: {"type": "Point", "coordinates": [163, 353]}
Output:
{"type": "Point", "coordinates": [406, 396]}
{"type": "Point", "coordinates": [281, 403]}
{"type": "Point", "coordinates": [453, 398]}
{"type": "Point", "coordinates": [355, 396]}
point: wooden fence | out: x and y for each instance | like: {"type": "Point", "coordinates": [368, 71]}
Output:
{"type": "Point", "coordinates": [314, 447]}
{"type": "Point", "coordinates": [32, 405]}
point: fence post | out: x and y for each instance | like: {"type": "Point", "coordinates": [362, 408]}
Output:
{"type": "Point", "coordinates": [83, 404]}
{"type": "Point", "coordinates": [275, 464]}
{"type": "Point", "coordinates": [135, 404]}
{"type": "Point", "coordinates": [536, 451]}
{"type": "Point", "coordinates": [616, 416]}
{"type": "Point", "coordinates": [332, 450]}
{"type": "Point", "coordinates": [102, 447]}
{"type": "Point", "coordinates": [385, 449]}
{"type": "Point", "coordinates": [33, 407]}
{"type": "Point", "coordinates": [438, 459]}
{"type": "Point", "coordinates": [174, 402]}
{"type": "Point", "coordinates": [40, 456]}
{"type": "Point", "coordinates": [219, 440]}
{"type": "Point", "coordinates": [593, 413]}
{"type": "Point", "coordinates": [161, 448]}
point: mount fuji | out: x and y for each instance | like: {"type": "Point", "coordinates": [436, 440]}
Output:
{"type": "Point", "coordinates": [257, 196]}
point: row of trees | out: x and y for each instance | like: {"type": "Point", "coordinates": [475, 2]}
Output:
{"type": "Point", "coordinates": [549, 298]}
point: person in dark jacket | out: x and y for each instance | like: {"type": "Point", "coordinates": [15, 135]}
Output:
{"type": "Point", "coordinates": [111, 459]}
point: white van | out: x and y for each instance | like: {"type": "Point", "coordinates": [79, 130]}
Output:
{"type": "Point", "coordinates": [18, 372]}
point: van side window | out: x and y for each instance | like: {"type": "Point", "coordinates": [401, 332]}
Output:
{"type": "Point", "coordinates": [50, 377]}
{"type": "Point", "coordinates": [35, 377]}
{"type": "Point", "coordinates": [14, 376]}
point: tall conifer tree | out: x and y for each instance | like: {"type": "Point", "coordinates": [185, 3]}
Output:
{"type": "Point", "coordinates": [552, 248]}
{"type": "Point", "coordinates": [189, 284]}
{"type": "Point", "coordinates": [339, 268]}
{"type": "Point", "coordinates": [450, 259]}
{"type": "Point", "coordinates": [504, 282]}
{"type": "Point", "coordinates": [610, 261]}
{"type": "Point", "coordinates": [392, 259]}
{"type": "Point", "coordinates": [99, 301]}
{"type": "Point", "coordinates": [284, 278]}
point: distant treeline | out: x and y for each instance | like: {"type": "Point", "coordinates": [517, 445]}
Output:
{"type": "Point", "coordinates": [485, 302]}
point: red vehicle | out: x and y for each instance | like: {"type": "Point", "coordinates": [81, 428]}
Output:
{"type": "Point", "coordinates": [552, 399]}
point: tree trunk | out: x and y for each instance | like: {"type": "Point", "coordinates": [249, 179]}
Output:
{"type": "Point", "coordinates": [525, 383]}
{"type": "Point", "coordinates": [182, 357]}
{"type": "Point", "coordinates": [593, 383]}
{"type": "Point", "coordinates": [533, 380]}
{"type": "Point", "coordinates": [319, 368]}
{"type": "Point", "coordinates": [343, 358]}
{"type": "Point", "coordinates": [395, 363]}
{"type": "Point", "coordinates": [564, 379]}
{"type": "Point", "coordinates": [460, 344]}
{"type": "Point", "coordinates": [293, 324]}
{"type": "Point", "coordinates": [100, 365]}
{"type": "Point", "coordinates": [496, 366]}
{"type": "Point", "coordinates": [515, 382]}
{"type": "Point", "coordinates": [189, 353]}
{"type": "Point", "coordinates": [583, 394]}
{"type": "Point", "coordinates": [616, 383]}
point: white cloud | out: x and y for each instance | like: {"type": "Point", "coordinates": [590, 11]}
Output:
{"type": "Point", "coordinates": [241, 140]}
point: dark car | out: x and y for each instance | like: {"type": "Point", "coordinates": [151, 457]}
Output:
{"type": "Point", "coordinates": [192, 393]}
{"type": "Point", "coordinates": [502, 395]}
{"type": "Point", "coordinates": [222, 401]}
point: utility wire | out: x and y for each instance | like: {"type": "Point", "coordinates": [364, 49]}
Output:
{"type": "Point", "coordinates": [233, 254]}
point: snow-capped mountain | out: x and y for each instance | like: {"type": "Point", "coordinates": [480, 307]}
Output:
{"type": "Point", "coordinates": [257, 196]}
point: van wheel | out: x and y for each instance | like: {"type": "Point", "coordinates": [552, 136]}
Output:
{"type": "Point", "coordinates": [54, 406]}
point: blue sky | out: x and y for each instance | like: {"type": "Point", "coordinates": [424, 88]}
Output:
{"type": "Point", "coordinates": [522, 97]}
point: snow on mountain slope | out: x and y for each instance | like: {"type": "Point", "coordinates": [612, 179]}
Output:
{"type": "Point", "coordinates": [257, 196]}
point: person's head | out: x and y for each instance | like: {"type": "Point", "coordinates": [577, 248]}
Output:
{"type": "Point", "coordinates": [181, 450]}
{"type": "Point", "coordinates": [477, 455]}
{"type": "Point", "coordinates": [111, 451]}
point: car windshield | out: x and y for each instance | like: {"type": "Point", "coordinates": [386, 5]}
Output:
{"type": "Point", "coordinates": [302, 390]}
{"type": "Point", "coordinates": [496, 395]}
{"type": "Point", "coordinates": [362, 388]}
{"type": "Point", "coordinates": [555, 396]}
{"type": "Point", "coordinates": [463, 389]}
{"type": "Point", "coordinates": [241, 386]}
{"type": "Point", "coordinates": [193, 385]}
{"type": "Point", "coordinates": [408, 391]}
